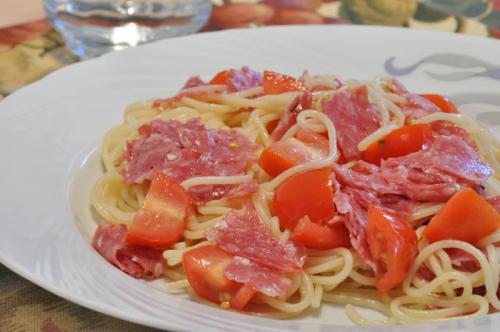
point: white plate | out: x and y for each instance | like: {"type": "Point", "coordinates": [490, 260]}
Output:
{"type": "Point", "coordinates": [50, 129]}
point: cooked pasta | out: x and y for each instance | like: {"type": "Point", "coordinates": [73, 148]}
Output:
{"type": "Point", "coordinates": [339, 275]}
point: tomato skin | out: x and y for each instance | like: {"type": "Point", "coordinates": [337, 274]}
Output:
{"type": "Point", "coordinates": [275, 83]}
{"type": "Point", "coordinates": [282, 155]}
{"type": "Point", "coordinates": [315, 140]}
{"type": "Point", "coordinates": [271, 125]}
{"type": "Point", "coordinates": [204, 269]}
{"type": "Point", "coordinates": [309, 193]}
{"type": "Point", "coordinates": [446, 105]}
{"type": "Point", "coordinates": [466, 216]}
{"type": "Point", "coordinates": [393, 245]}
{"type": "Point", "coordinates": [399, 142]}
{"type": "Point", "coordinates": [160, 221]}
{"type": "Point", "coordinates": [341, 159]}
{"type": "Point", "coordinates": [244, 295]}
{"type": "Point", "coordinates": [317, 236]}
{"type": "Point", "coordinates": [220, 78]}
{"type": "Point", "coordinates": [319, 141]}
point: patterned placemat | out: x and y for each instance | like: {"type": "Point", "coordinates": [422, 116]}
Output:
{"type": "Point", "coordinates": [31, 51]}
{"type": "Point", "coordinates": [27, 307]}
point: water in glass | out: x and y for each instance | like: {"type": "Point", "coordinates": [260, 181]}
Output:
{"type": "Point", "coordinates": [93, 27]}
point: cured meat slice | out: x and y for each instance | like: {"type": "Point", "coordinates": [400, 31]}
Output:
{"type": "Point", "coordinates": [242, 190]}
{"type": "Point", "coordinates": [424, 273]}
{"type": "Point", "coordinates": [261, 278]}
{"type": "Point", "coordinates": [372, 188]}
{"type": "Point", "coordinates": [436, 173]}
{"type": "Point", "coordinates": [495, 202]}
{"type": "Point", "coordinates": [193, 82]}
{"type": "Point", "coordinates": [357, 188]}
{"type": "Point", "coordinates": [139, 262]}
{"type": "Point", "coordinates": [364, 176]}
{"type": "Point", "coordinates": [237, 80]}
{"type": "Point", "coordinates": [205, 193]}
{"type": "Point", "coordinates": [462, 260]}
{"type": "Point", "coordinates": [317, 83]}
{"type": "Point", "coordinates": [289, 118]}
{"type": "Point", "coordinates": [243, 79]}
{"type": "Point", "coordinates": [355, 221]}
{"type": "Point", "coordinates": [243, 233]}
{"type": "Point", "coordinates": [415, 106]}
{"type": "Point", "coordinates": [446, 128]}
{"type": "Point", "coordinates": [354, 118]}
{"type": "Point", "coordinates": [352, 204]}
{"type": "Point", "coordinates": [431, 175]}
{"type": "Point", "coordinates": [186, 150]}
{"type": "Point", "coordinates": [195, 90]}
{"type": "Point", "coordinates": [349, 204]}
{"type": "Point", "coordinates": [438, 189]}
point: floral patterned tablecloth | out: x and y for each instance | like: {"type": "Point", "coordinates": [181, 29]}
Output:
{"type": "Point", "coordinates": [30, 51]}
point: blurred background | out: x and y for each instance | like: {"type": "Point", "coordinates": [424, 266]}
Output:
{"type": "Point", "coordinates": [472, 16]}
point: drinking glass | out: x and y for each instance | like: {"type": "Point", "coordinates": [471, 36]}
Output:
{"type": "Point", "coordinates": [93, 27]}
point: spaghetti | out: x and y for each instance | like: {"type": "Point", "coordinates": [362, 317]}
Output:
{"type": "Point", "coordinates": [338, 275]}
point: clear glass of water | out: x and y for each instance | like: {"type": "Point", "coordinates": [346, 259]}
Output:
{"type": "Point", "coordinates": [93, 27]}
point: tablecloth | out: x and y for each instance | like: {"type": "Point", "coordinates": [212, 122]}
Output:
{"type": "Point", "coordinates": [32, 50]}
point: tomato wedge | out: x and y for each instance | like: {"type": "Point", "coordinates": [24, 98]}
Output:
{"type": "Point", "coordinates": [393, 245]}
{"type": "Point", "coordinates": [242, 297]}
{"type": "Point", "coordinates": [305, 194]}
{"type": "Point", "coordinates": [271, 125]}
{"type": "Point", "coordinates": [317, 236]}
{"type": "Point", "coordinates": [400, 142]}
{"type": "Point", "coordinates": [160, 222]}
{"type": "Point", "coordinates": [275, 83]}
{"type": "Point", "coordinates": [317, 141]}
{"type": "Point", "coordinates": [282, 155]}
{"type": "Point", "coordinates": [466, 216]}
{"type": "Point", "coordinates": [442, 102]}
{"type": "Point", "coordinates": [220, 78]}
{"type": "Point", "coordinates": [204, 269]}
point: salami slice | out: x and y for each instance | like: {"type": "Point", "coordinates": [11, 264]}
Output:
{"type": "Point", "coordinates": [243, 233]}
{"type": "Point", "coordinates": [261, 278]}
{"type": "Point", "coordinates": [354, 118]}
{"type": "Point", "coordinates": [139, 262]}
{"type": "Point", "coordinates": [183, 150]}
